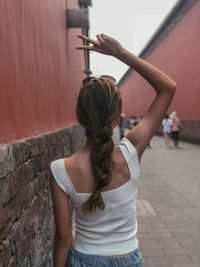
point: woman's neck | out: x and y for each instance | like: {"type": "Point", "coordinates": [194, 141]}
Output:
{"type": "Point", "coordinates": [88, 145]}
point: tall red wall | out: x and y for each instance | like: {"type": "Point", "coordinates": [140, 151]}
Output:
{"type": "Point", "coordinates": [178, 54]}
{"type": "Point", "coordinates": [40, 70]}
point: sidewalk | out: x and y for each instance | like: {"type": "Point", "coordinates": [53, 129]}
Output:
{"type": "Point", "coordinates": [169, 206]}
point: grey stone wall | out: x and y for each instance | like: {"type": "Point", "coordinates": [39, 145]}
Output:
{"type": "Point", "coordinates": [190, 131]}
{"type": "Point", "coordinates": [26, 214]}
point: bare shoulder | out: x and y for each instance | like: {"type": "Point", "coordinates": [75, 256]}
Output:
{"type": "Point", "coordinates": [74, 159]}
{"type": "Point", "coordinates": [133, 139]}
{"type": "Point", "coordinates": [119, 163]}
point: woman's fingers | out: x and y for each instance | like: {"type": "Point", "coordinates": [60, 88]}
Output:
{"type": "Point", "coordinates": [100, 39]}
{"type": "Point", "coordinates": [85, 47]}
{"type": "Point", "coordinates": [104, 35]}
{"type": "Point", "coordinates": [85, 38]}
{"type": "Point", "coordinates": [101, 45]}
{"type": "Point", "coordinates": [91, 48]}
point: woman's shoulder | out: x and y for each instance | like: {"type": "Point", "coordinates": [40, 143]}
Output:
{"type": "Point", "coordinates": [56, 163]}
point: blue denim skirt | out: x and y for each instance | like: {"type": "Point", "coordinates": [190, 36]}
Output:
{"type": "Point", "coordinates": [78, 259]}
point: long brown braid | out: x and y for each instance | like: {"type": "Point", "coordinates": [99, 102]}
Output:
{"type": "Point", "coordinates": [99, 107]}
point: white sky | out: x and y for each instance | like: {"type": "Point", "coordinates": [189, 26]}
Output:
{"type": "Point", "coordinates": [132, 22]}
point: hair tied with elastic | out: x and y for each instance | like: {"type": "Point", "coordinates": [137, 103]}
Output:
{"type": "Point", "coordinates": [98, 108]}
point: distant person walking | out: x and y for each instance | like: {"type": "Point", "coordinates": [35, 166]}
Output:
{"type": "Point", "coordinates": [166, 124]}
{"type": "Point", "coordinates": [176, 127]}
{"type": "Point", "coordinates": [133, 121]}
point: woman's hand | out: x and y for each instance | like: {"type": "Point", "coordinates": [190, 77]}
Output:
{"type": "Point", "coordinates": [104, 44]}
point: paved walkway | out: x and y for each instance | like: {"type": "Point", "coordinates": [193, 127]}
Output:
{"type": "Point", "coordinates": [169, 206]}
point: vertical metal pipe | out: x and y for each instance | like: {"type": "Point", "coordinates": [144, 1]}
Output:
{"type": "Point", "coordinates": [85, 31]}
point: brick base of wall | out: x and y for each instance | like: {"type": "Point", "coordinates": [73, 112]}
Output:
{"type": "Point", "coordinates": [26, 214]}
{"type": "Point", "coordinates": [190, 131]}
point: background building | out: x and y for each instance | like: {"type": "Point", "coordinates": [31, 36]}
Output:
{"type": "Point", "coordinates": [175, 48]}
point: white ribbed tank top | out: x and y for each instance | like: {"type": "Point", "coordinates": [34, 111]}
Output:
{"type": "Point", "coordinates": [113, 230]}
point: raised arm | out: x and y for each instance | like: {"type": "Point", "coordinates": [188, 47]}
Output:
{"type": "Point", "coordinates": [163, 85]}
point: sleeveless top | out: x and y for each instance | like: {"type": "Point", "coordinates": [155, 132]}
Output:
{"type": "Point", "coordinates": [111, 231]}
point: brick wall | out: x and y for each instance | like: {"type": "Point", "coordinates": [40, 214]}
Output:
{"type": "Point", "coordinates": [190, 131]}
{"type": "Point", "coordinates": [41, 70]}
{"type": "Point", "coordinates": [26, 214]}
{"type": "Point", "coordinates": [172, 57]}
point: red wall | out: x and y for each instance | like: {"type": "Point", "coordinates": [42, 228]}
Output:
{"type": "Point", "coordinates": [40, 70]}
{"type": "Point", "coordinates": [178, 54]}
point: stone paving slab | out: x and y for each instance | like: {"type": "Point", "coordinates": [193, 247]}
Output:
{"type": "Point", "coordinates": [169, 205]}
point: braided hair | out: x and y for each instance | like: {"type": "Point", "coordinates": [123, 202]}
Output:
{"type": "Point", "coordinates": [98, 109]}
